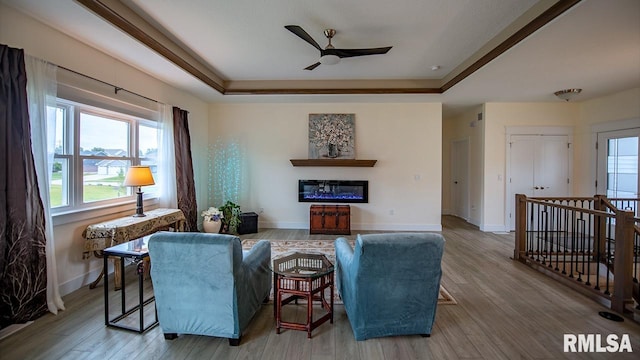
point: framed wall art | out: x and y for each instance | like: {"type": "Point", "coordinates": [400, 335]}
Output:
{"type": "Point", "coordinates": [332, 136]}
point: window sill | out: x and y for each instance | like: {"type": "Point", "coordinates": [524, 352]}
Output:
{"type": "Point", "coordinates": [123, 208]}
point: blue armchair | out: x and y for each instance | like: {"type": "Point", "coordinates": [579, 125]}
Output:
{"type": "Point", "coordinates": [205, 284]}
{"type": "Point", "coordinates": [389, 283]}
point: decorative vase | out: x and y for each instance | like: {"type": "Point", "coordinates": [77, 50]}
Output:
{"type": "Point", "coordinates": [333, 151]}
{"type": "Point", "coordinates": [211, 226]}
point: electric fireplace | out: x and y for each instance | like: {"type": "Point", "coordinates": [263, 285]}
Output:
{"type": "Point", "coordinates": [333, 191]}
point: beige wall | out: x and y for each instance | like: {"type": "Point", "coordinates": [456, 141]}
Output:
{"type": "Point", "coordinates": [612, 109]}
{"type": "Point", "coordinates": [39, 40]}
{"type": "Point", "coordinates": [406, 139]}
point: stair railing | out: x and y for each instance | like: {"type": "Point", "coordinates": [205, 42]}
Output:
{"type": "Point", "coordinates": [587, 243]}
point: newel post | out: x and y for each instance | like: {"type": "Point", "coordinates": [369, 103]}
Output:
{"type": "Point", "coordinates": [600, 228]}
{"type": "Point", "coordinates": [521, 227]}
{"type": "Point", "coordinates": [623, 261]}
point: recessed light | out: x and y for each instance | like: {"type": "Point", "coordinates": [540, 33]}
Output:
{"type": "Point", "coordinates": [435, 67]}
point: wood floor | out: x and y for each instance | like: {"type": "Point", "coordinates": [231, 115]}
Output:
{"type": "Point", "coordinates": [505, 311]}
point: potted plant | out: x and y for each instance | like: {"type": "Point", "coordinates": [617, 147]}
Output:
{"type": "Point", "coordinates": [212, 220]}
{"type": "Point", "coordinates": [231, 217]}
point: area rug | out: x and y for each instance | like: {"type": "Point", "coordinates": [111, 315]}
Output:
{"type": "Point", "coordinates": [280, 248]}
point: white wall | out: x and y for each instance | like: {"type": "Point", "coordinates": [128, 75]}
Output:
{"type": "Point", "coordinates": [21, 31]}
{"type": "Point", "coordinates": [406, 139]}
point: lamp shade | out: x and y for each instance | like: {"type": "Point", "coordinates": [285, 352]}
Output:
{"type": "Point", "coordinates": [138, 176]}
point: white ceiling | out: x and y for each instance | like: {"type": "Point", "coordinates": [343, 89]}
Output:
{"type": "Point", "coordinates": [246, 40]}
{"type": "Point", "coordinates": [595, 45]}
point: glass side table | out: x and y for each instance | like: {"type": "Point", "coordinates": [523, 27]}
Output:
{"type": "Point", "coordinates": [303, 276]}
{"type": "Point", "coordinates": [136, 250]}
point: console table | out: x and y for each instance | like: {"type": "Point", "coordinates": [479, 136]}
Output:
{"type": "Point", "coordinates": [117, 231]}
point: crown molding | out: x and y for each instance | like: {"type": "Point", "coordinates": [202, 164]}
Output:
{"type": "Point", "coordinates": [124, 18]}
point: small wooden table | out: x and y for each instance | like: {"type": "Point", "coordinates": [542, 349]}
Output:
{"type": "Point", "coordinates": [303, 276]}
{"type": "Point", "coordinates": [330, 219]}
{"type": "Point", "coordinates": [117, 231]}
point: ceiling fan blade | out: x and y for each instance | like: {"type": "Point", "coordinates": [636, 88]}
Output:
{"type": "Point", "coordinates": [303, 35]}
{"type": "Point", "coordinates": [311, 67]}
{"type": "Point", "coordinates": [343, 53]}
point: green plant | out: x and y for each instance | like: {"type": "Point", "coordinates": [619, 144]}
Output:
{"type": "Point", "coordinates": [231, 219]}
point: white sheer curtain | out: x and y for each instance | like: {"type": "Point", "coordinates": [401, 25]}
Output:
{"type": "Point", "coordinates": [41, 94]}
{"type": "Point", "coordinates": [166, 159]}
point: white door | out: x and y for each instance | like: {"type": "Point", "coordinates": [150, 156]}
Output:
{"type": "Point", "coordinates": [460, 178]}
{"type": "Point", "coordinates": [538, 167]}
{"type": "Point", "coordinates": [617, 164]}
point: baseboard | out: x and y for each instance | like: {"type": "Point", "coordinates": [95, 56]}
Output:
{"type": "Point", "coordinates": [356, 226]}
{"type": "Point", "coordinates": [473, 221]}
{"type": "Point", "coordinates": [83, 280]}
{"type": "Point", "coordinates": [12, 329]}
{"type": "Point", "coordinates": [282, 225]}
{"type": "Point", "coordinates": [397, 227]}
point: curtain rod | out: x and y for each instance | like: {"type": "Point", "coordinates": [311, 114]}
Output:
{"type": "Point", "coordinates": [115, 88]}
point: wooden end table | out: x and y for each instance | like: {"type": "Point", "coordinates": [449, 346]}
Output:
{"type": "Point", "coordinates": [303, 276]}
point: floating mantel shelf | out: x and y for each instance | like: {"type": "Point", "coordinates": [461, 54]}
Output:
{"type": "Point", "coordinates": [333, 162]}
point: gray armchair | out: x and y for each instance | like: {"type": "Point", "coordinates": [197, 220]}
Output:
{"type": "Point", "coordinates": [389, 283]}
{"type": "Point", "coordinates": [205, 285]}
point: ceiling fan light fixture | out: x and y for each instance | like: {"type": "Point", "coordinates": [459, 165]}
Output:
{"type": "Point", "coordinates": [567, 94]}
{"type": "Point", "coordinates": [329, 59]}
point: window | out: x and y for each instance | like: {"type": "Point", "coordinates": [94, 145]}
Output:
{"type": "Point", "coordinates": [93, 149]}
{"type": "Point", "coordinates": [617, 168]}
{"type": "Point", "coordinates": [622, 167]}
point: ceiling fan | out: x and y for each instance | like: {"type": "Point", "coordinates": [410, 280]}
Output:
{"type": "Point", "coordinates": [330, 55]}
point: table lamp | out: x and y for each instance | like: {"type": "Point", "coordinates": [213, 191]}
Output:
{"type": "Point", "coordinates": [139, 176]}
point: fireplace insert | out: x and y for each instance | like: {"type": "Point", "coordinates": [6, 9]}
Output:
{"type": "Point", "coordinates": [334, 191]}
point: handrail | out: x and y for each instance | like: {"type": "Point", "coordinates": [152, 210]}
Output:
{"type": "Point", "coordinates": [595, 243]}
{"type": "Point", "coordinates": [568, 207]}
{"type": "Point", "coordinates": [564, 198]}
{"type": "Point", "coordinates": [608, 204]}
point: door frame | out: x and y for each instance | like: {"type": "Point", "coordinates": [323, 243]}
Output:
{"type": "Point", "coordinates": [467, 200]}
{"type": "Point", "coordinates": [509, 205]}
{"type": "Point", "coordinates": [609, 126]}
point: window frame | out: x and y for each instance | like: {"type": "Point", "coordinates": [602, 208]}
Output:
{"type": "Point", "coordinates": [73, 111]}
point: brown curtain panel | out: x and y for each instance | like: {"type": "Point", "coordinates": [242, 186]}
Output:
{"type": "Point", "coordinates": [184, 169]}
{"type": "Point", "coordinates": [23, 273]}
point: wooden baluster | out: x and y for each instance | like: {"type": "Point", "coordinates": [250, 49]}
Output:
{"type": "Point", "coordinates": [565, 242]}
